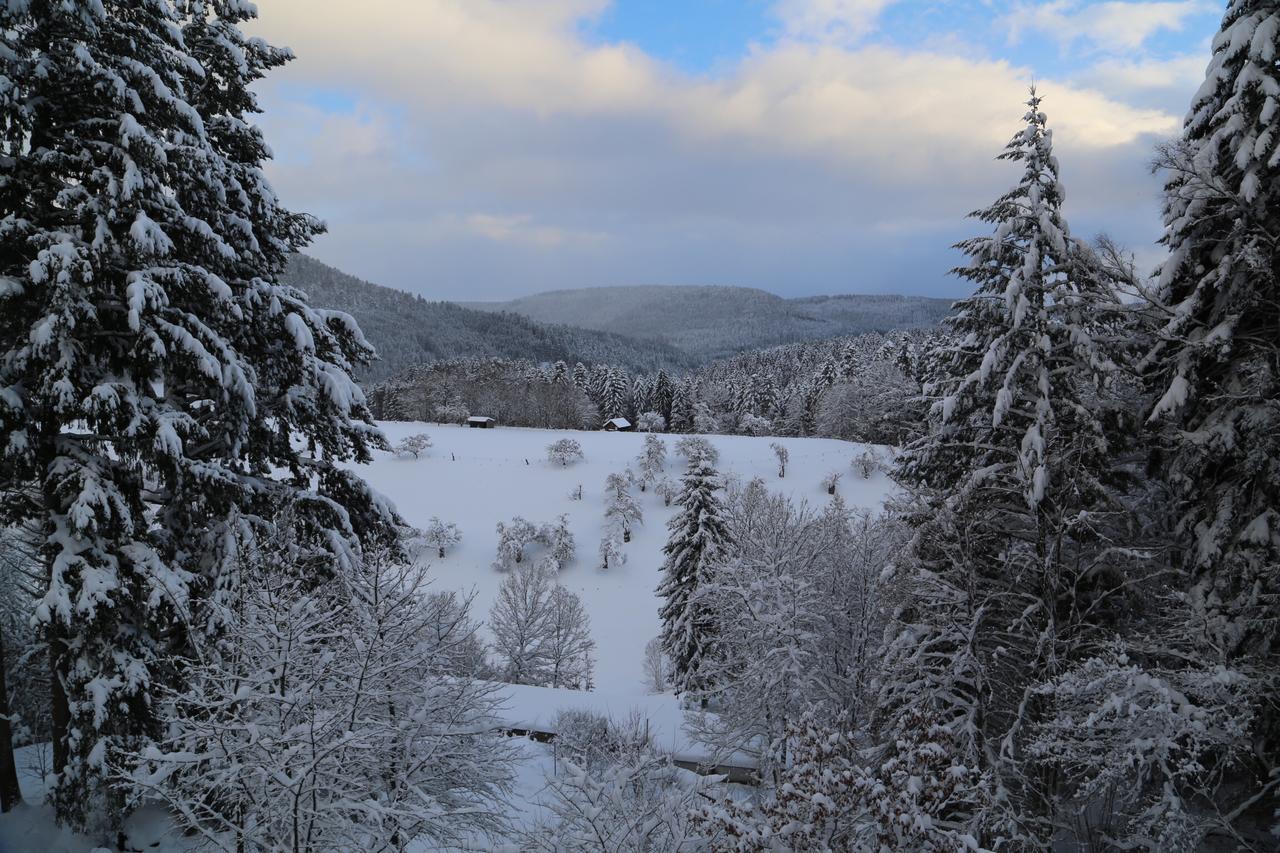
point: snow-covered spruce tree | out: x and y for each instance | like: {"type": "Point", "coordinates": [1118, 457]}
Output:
{"type": "Point", "coordinates": [697, 540]}
{"type": "Point", "coordinates": [621, 509]}
{"type": "Point", "coordinates": [140, 249]}
{"type": "Point", "coordinates": [1215, 366]}
{"type": "Point", "coordinates": [1010, 496]}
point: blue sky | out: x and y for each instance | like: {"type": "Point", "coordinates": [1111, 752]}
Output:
{"type": "Point", "coordinates": [484, 149]}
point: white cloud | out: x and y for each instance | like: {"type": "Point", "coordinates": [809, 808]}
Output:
{"type": "Point", "coordinates": [832, 21]}
{"type": "Point", "coordinates": [517, 154]}
{"type": "Point", "coordinates": [1108, 26]}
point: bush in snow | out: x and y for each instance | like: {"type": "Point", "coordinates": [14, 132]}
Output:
{"type": "Point", "coordinates": [695, 448]}
{"type": "Point", "coordinates": [651, 422]}
{"type": "Point", "coordinates": [667, 489]}
{"type": "Point", "coordinates": [513, 538]}
{"type": "Point", "coordinates": [611, 553]}
{"type": "Point", "coordinates": [867, 463]}
{"type": "Point", "coordinates": [830, 482]}
{"type": "Point", "coordinates": [564, 451]}
{"type": "Point", "coordinates": [613, 791]}
{"type": "Point", "coordinates": [559, 541]}
{"type": "Point", "coordinates": [783, 457]}
{"type": "Point", "coordinates": [576, 494]}
{"type": "Point", "coordinates": [441, 535]}
{"type": "Point", "coordinates": [541, 634]}
{"type": "Point", "coordinates": [413, 445]}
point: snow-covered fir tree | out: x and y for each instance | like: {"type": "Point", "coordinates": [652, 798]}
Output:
{"type": "Point", "coordinates": [139, 301]}
{"type": "Point", "coordinates": [697, 540]}
{"type": "Point", "coordinates": [1214, 364]}
{"type": "Point", "coordinates": [1011, 494]}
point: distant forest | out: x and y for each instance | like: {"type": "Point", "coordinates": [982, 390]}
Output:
{"type": "Point", "coordinates": [409, 330]}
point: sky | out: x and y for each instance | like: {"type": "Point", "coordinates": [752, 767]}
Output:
{"type": "Point", "coordinates": [489, 149]}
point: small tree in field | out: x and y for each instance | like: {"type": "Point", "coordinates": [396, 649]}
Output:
{"type": "Point", "coordinates": [651, 461]}
{"type": "Point", "coordinates": [611, 553]}
{"type": "Point", "coordinates": [622, 508]}
{"type": "Point", "coordinates": [655, 666]}
{"type": "Point", "coordinates": [520, 621]}
{"type": "Point", "coordinates": [569, 644]}
{"type": "Point", "coordinates": [564, 451]}
{"type": "Point", "coordinates": [867, 463]}
{"type": "Point", "coordinates": [667, 489]}
{"type": "Point", "coordinates": [442, 535]}
{"type": "Point", "coordinates": [830, 482]}
{"type": "Point", "coordinates": [559, 541]}
{"type": "Point", "coordinates": [783, 457]}
{"type": "Point", "coordinates": [414, 445]}
{"type": "Point", "coordinates": [513, 538]}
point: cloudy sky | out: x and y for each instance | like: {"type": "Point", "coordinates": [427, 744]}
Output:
{"type": "Point", "coordinates": [485, 149]}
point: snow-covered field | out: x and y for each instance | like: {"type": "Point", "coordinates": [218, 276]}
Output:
{"type": "Point", "coordinates": [476, 478]}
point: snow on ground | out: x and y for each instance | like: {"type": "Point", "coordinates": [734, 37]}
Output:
{"type": "Point", "coordinates": [476, 478]}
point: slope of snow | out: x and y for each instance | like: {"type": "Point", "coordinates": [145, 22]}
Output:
{"type": "Point", "coordinates": [476, 478]}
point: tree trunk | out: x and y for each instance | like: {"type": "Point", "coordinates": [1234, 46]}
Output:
{"type": "Point", "coordinates": [59, 710]}
{"type": "Point", "coordinates": [10, 792]}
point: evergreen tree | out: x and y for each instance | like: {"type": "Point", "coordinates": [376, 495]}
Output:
{"type": "Point", "coordinates": [155, 376]}
{"type": "Point", "coordinates": [1216, 362]}
{"type": "Point", "coordinates": [698, 538]}
{"type": "Point", "coordinates": [1010, 489]}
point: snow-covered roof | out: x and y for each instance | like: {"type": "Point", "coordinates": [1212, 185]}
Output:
{"type": "Point", "coordinates": [620, 423]}
{"type": "Point", "coordinates": [479, 419]}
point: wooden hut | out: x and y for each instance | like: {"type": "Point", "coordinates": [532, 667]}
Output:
{"type": "Point", "coordinates": [617, 425]}
{"type": "Point", "coordinates": [481, 422]}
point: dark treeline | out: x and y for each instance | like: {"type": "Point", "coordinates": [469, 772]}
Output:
{"type": "Point", "coordinates": [864, 388]}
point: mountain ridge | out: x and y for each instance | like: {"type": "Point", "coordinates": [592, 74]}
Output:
{"type": "Point", "coordinates": [713, 321]}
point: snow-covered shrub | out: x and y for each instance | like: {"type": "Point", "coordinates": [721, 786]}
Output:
{"type": "Point", "coordinates": [313, 702]}
{"type": "Point", "coordinates": [611, 553]}
{"type": "Point", "coordinates": [513, 538]}
{"type": "Point", "coordinates": [867, 463]}
{"type": "Point", "coordinates": [413, 445]}
{"type": "Point", "coordinates": [783, 457]}
{"type": "Point", "coordinates": [560, 543]}
{"type": "Point", "coordinates": [576, 494]}
{"type": "Point", "coordinates": [564, 451]}
{"type": "Point", "coordinates": [1148, 743]}
{"type": "Point", "coordinates": [441, 535]}
{"type": "Point", "coordinates": [651, 422]}
{"type": "Point", "coordinates": [695, 448]}
{"type": "Point", "coordinates": [830, 482]}
{"type": "Point", "coordinates": [667, 489]}
{"type": "Point", "coordinates": [613, 791]}
{"type": "Point", "coordinates": [816, 807]}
